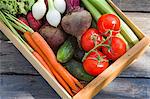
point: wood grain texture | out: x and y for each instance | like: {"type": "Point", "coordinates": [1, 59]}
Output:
{"type": "Point", "coordinates": [34, 87]}
{"type": "Point", "coordinates": [133, 5]}
{"type": "Point", "coordinates": [11, 60]}
{"type": "Point", "coordinates": [25, 87]}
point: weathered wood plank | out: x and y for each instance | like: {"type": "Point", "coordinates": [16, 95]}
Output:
{"type": "Point", "coordinates": [25, 87]}
{"type": "Point", "coordinates": [126, 88]}
{"type": "Point", "coordinates": [141, 68]}
{"type": "Point", "coordinates": [12, 61]}
{"type": "Point", "coordinates": [35, 87]}
{"type": "Point", "coordinates": [3, 37]}
{"type": "Point", "coordinates": [133, 5]}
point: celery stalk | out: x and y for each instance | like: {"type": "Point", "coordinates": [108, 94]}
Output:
{"type": "Point", "coordinates": [105, 8]}
{"type": "Point", "coordinates": [94, 12]}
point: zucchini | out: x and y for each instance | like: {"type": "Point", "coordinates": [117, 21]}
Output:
{"type": "Point", "coordinates": [66, 51]}
{"type": "Point", "coordinates": [76, 69]}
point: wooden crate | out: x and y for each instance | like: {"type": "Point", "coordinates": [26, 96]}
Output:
{"type": "Point", "coordinates": [101, 80]}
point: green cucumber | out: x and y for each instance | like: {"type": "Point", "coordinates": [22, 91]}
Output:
{"type": "Point", "coordinates": [66, 51]}
{"type": "Point", "coordinates": [76, 69]}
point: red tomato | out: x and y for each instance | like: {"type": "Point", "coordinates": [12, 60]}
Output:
{"type": "Point", "coordinates": [94, 65]}
{"type": "Point", "coordinates": [117, 48]}
{"type": "Point", "coordinates": [88, 39]}
{"type": "Point", "coordinates": [108, 22]}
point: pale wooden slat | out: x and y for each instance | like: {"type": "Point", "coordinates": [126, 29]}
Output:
{"type": "Point", "coordinates": [133, 5]}
{"type": "Point", "coordinates": [35, 87]}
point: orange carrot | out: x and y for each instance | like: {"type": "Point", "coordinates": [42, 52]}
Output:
{"type": "Point", "coordinates": [74, 79]}
{"type": "Point", "coordinates": [59, 79]}
{"type": "Point", "coordinates": [29, 39]}
{"type": "Point", "coordinates": [42, 61]}
{"type": "Point", "coordinates": [45, 61]}
{"type": "Point", "coordinates": [62, 82]}
{"type": "Point", "coordinates": [42, 44]}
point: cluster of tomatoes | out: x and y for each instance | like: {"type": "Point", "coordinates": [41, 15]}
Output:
{"type": "Point", "coordinates": [102, 45]}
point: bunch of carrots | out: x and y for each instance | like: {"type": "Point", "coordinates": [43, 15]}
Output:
{"type": "Point", "coordinates": [41, 50]}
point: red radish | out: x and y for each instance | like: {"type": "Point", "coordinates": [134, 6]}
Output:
{"type": "Point", "coordinates": [34, 24]}
{"type": "Point", "coordinates": [24, 20]}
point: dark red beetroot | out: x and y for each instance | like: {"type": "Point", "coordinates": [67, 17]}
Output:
{"type": "Point", "coordinates": [34, 24]}
{"type": "Point", "coordinates": [54, 36]}
{"type": "Point", "coordinates": [77, 20]}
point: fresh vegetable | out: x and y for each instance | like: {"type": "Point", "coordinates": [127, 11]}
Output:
{"type": "Point", "coordinates": [94, 12]}
{"type": "Point", "coordinates": [95, 63]}
{"type": "Point", "coordinates": [78, 54]}
{"type": "Point", "coordinates": [76, 69]}
{"type": "Point", "coordinates": [72, 5]}
{"type": "Point", "coordinates": [90, 38]}
{"type": "Point", "coordinates": [34, 24]}
{"type": "Point", "coordinates": [24, 20]}
{"type": "Point", "coordinates": [108, 23]}
{"type": "Point", "coordinates": [105, 8]}
{"type": "Point", "coordinates": [117, 48]}
{"type": "Point", "coordinates": [49, 55]}
{"type": "Point", "coordinates": [74, 79]}
{"type": "Point", "coordinates": [96, 15]}
{"type": "Point", "coordinates": [63, 83]}
{"type": "Point", "coordinates": [60, 5]}
{"type": "Point", "coordinates": [53, 16]}
{"type": "Point", "coordinates": [58, 77]}
{"type": "Point", "coordinates": [28, 4]}
{"type": "Point", "coordinates": [16, 6]}
{"type": "Point", "coordinates": [54, 36]}
{"type": "Point", "coordinates": [41, 43]}
{"type": "Point", "coordinates": [66, 51]}
{"type": "Point", "coordinates": [9, 6]}
{"type": "Point", "coordinates": [39, 9]}
{"type": "Point", "coordinates": [23, 42]}
{"type": "Point", "coordinates": [41, 61]}
{"type": "Point", "coordinates": [75, 19]}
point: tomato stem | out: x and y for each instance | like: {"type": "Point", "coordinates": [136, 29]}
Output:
{"type": "Point", "coordinates": [96, 46]}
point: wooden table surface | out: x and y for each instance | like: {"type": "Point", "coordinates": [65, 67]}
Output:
{"type": "Point", "coordinates": [19, 80]}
